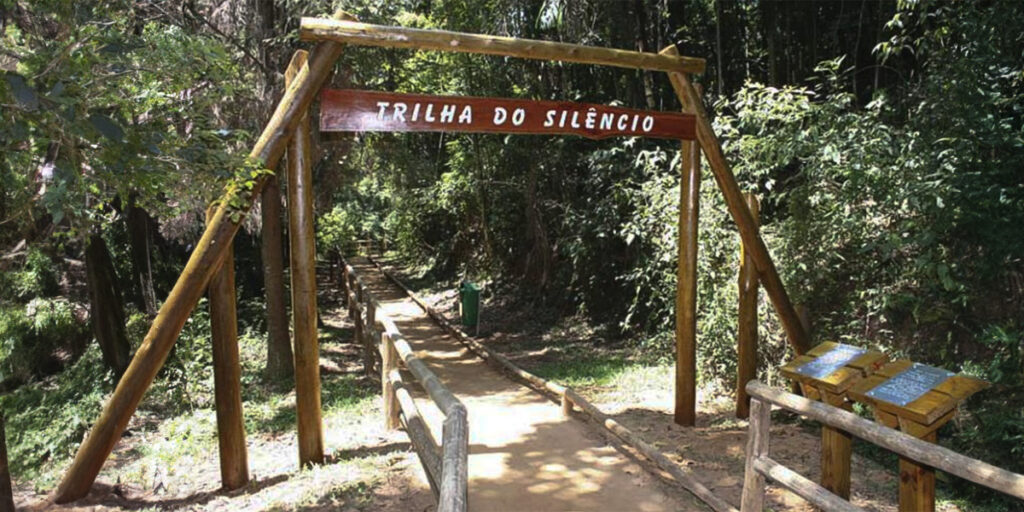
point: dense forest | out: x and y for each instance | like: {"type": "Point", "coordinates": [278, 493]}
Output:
{"type": "Point", "coordinates": [884, 139]}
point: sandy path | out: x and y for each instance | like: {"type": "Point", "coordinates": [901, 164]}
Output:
{"type": "Point", "coordinates": [524, 455]}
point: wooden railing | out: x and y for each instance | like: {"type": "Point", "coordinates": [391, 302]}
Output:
{"type": "Point", "coordinates": [760, 466]}
{"type": "Point", "coordinates": [445, 465]}
{"type": "Point", "coordinates": [569, 398]}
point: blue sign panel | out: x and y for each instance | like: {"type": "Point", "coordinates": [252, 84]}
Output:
{"type": "Point", "coordinates": [910, 384]}
{"type": "Point", "coordinates": [830, 361]}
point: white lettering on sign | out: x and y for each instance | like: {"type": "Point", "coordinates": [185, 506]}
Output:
{"type": "Point", "coordinates": [518, 116]}
{"type": "Point", "coordinates": [591, 119]}
{"type": "Point", "coordinates": [466, 117]}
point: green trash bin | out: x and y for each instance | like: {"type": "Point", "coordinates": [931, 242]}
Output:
{"type": "Point", "coordinates": [469, 304]}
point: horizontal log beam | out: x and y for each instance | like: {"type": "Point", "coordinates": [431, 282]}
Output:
{"type": "Point", "coordinates": [342, 31]}
{"type": "Point", "coordinates": [895, 441]}
{"type": "Point", "coordinates": [422, 439]}
{"type": "Point", "coordinates": [806, 489]}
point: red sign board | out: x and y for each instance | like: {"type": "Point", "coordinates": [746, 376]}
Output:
{"type": "Point", "coordinates": [372, 111]}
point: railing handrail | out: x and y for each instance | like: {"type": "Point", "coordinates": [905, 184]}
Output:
{"type": "Point", "coordinates": [452, 489]}
{"type": "Point", "coordinates": [929, 454]}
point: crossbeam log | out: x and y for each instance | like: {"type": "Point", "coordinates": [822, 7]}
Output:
{"type": "Point", "coordinates": [366, 34]}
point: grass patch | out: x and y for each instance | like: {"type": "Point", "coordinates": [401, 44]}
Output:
{"type": "Point", "coordinates": [584, 371]}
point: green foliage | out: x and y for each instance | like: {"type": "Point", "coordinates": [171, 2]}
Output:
{"type": "Point", "coordinates": [36, 278]}
{"type": "Point", "coordinates": [47, 420]}
{"type": "Point", "coordinates": [31, 336]}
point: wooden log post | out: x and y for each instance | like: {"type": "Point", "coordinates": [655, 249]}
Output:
{"type": "Point", "coordinates": [726, 181]}
{"type": "Point", "coordinates": [686, 287]}
{"type": "Point", "coordinates": [746, 350]}
{"type": "Point", "coordinates": [917, 481]}
{"type": "Point", "coordinates": [303, 275]}
{"type": "Point", "coordinates": [836, 452]}
{"type": "Point", "coordinates": [227, 373]}
{"type": "Point", "coordinates": [389, 363]}
{"type": "Point", "coordinates": [205, 259]}
{"type": "Point", "coordinates": [757, 447]}
{"type": "Point", "coordinates": [369, 358]}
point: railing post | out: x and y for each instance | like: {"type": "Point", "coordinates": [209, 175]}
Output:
{"type": "Point", "coordinates": [917, 481]}
{"type": "Point", "coordinates": [368, 346]}
{"type": "Point", "coordinates": [746, 368]}
{"type": "Point", "coordinates": [234, 460]}
{"type": "Point", "coordinates": [389, 362]}
{"type": "Point", "coordinates": [757, 446]}
{"type": "Point", "coordinates": [303, 275]}
{"type": "Point", "coordinates": [566, 405]}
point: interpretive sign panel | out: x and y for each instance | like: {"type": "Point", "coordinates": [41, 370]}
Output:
{"type": "Point", "coordinates": [910, 384]}
{"type": "Point", "coordinates": [374, 111]}
{"type": "Point", "coordinates": [830, 361]}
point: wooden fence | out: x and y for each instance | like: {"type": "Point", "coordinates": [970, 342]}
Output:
{"type": "Point", "coordinates": [568, 398]}
{"type": "Point", "coordinates": [760, 466]}
{"type": "Point", "coordinates": [445, 465]}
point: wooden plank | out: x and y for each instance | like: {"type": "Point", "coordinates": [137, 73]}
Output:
{"type": "Point", "coordinates": [898, 442]}
{"type": "Point", "coordinates": [740, 213]}
{"type": "Point", "coordinates": [350, 110]}
{"type": "Point", "coordinates": [227, 375]}
{"type": "Point", "coordinates": [803, 487]}
{"type": "Point", "coordinates": [757, 447]}
{"type": "Point", "coordinates": [961, 387]}
{"type": "Point", "coordinates": [836, 449]}
{"type": "Point", "coordinates": [686, 288]}
{"type": "Point", "coordinates": [746, 349]}
{"type": "Point", "coordinates": [303, 276]}
{"type": "Point", "coordinates": [319, 29]}
{"type": "Point", "coordinates": [917, 484]}
{"type": "Point", "coordinates": [205, 259]}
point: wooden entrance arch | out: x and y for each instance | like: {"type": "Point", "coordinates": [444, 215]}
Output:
{"type": "Point", "coordinates": [212, 249]}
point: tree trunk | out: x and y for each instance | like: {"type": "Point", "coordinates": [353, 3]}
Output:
{"type": "Point", "coordinates": [719, 13]}
{"type": "Point", "coordinates": [140, 236]}
{"type": "Point", "coordinates": [6, 493]}
{"type": "Point", "coordinates": [537, 268]}
{"type": "Point", "coordinates": [106, 307]}
{"type": "Point", "coordinates": [279, 346]}
{"type": "Point", "coordinates": [641, 45]}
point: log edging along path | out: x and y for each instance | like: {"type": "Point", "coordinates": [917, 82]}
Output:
{"type": "Point", "coordinates": [568, 397]}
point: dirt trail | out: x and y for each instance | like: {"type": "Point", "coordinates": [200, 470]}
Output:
{"type": "Point", "coordinates": [524, 455]}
